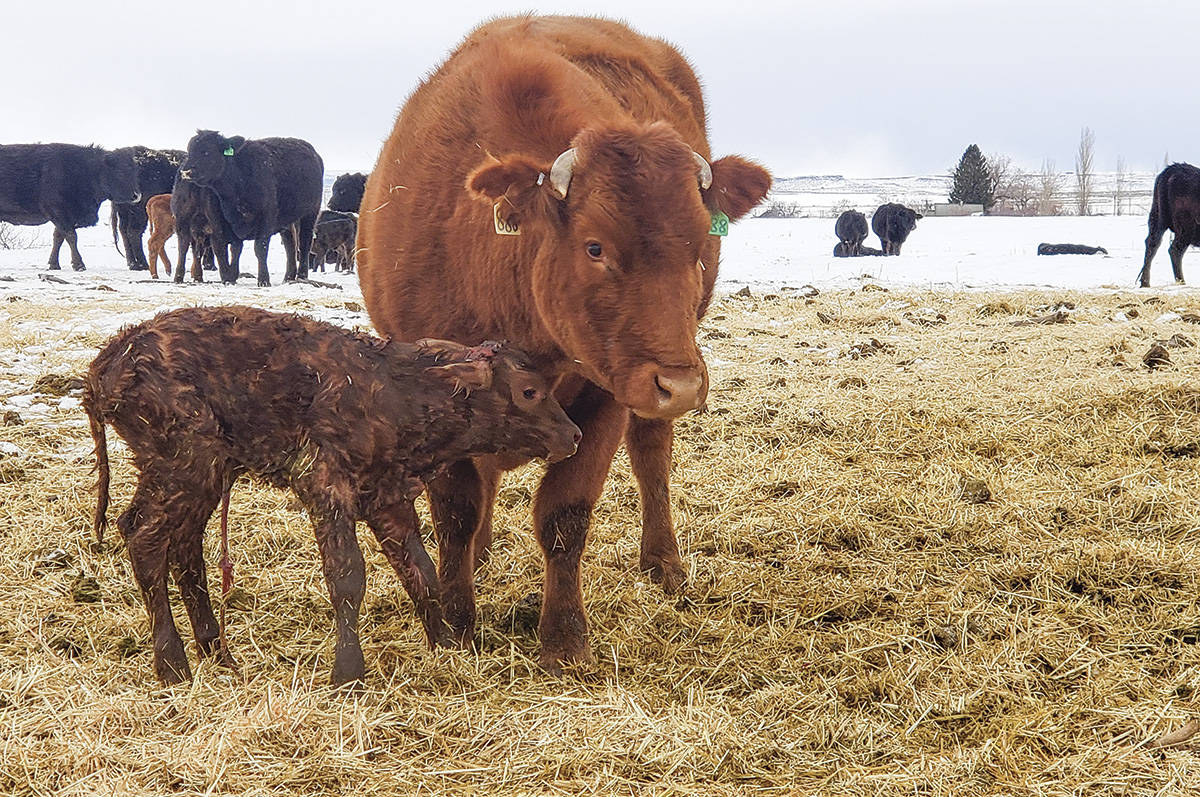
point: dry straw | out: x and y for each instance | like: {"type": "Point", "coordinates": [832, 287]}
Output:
{"type": "Point", "coordinates": [930, 551]}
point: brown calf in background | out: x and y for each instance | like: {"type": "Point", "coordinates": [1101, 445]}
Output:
{"type": "Point", "coordinates": [162, 227]}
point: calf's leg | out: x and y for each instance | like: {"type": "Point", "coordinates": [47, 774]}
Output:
{"type": "Point", "coordinates": [398, 531]}
{"type": "Point", "coordinates": [190, 514]}
{"type": "Point", "coordinates": [345, 574]}
{"type": "Point", "coordinates": [145, 528]}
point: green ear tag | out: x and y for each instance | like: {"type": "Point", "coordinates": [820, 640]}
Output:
{"type": "Point", "coordinates": [720, 224]}
{"type": "Point", "coordinates": [229, 151]}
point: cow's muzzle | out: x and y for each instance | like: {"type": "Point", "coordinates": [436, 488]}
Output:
{"type": "Point", "coordinates": [665, 392]}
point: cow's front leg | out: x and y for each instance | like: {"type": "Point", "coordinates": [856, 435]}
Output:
{"type": "Point", "coordinates": [457, 501]}
{"type": "Point", "coordinates": [562, 512]}
{"type": "Point", "coordinates": [345, 575]}
{"type": "Point", "coordinates": [649, 445]}
{"type": "Point", "coordinates": [56, 243]}
{"type": "Point", "coordinates": [261, 245]}
{"type": "Point", "coordinates": [1179, 245]}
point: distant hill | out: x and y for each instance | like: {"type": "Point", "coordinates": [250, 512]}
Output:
{"type": "Point", "coordinates": [827, 194]}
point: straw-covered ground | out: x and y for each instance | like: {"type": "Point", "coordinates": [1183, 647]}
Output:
{"type": "Point", "coordinates": [935, 546]}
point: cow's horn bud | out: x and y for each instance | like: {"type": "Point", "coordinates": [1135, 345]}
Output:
{"type": "Point", "coordinates": [560, 173]}
{"type": "Point", "coordinates": [705, 173]}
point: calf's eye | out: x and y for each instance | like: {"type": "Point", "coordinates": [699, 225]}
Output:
{"type": "Point", "coordinates": [595, 250]}
{"type": "Point", "coordinates": [532, 394]}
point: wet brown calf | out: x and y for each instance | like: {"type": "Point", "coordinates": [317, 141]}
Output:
{"type": "Point", "coordinates": [354, 425]}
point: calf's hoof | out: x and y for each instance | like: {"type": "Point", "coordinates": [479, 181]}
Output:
{"type": "Point", "coordinates": [348, 667]}
{"type": "Point", "coordinates": [172, 669]}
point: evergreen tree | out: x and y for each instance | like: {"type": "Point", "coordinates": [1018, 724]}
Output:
{"type": "Point", "coordinates": [973, 181]}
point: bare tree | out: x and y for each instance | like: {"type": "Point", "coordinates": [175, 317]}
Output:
{"type": "Point", "coordinates": [1119, 197]}
{"type": "Point", "coordinates": [1049, 188]}
{"type": "Point", "coordinates": [1084, 174]}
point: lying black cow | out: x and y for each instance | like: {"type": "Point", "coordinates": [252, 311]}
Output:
{"type": "Point", "coordinates": [851, 230]}
{"type": "Point", "coordinates": [63, 184]}
{"type": "Point", "coordinates": [892, 223]}
{"type": "Point", "coordinates": [842, 250]}
{"type": "Point", "coordinates": [1070, 249]}
{"type": "Point", "coordinates": [156, 170]}
{"type": "Point", "coordinates": [1175, 207]}
{"type": "Point", "coordinates": [333, 240]}
{"type": "Point", "coordinates": [265, 186]}
{"type": "Point", "coordinates": [347, 192]}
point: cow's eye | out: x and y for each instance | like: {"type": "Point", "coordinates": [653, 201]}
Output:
{"type": "Point", "coordinates": [595, 251]}
{"type": "Point", "coordinates": [532, 394]}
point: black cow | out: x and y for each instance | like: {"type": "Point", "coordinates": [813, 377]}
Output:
{"type": "Point", "coordinates": [265, 186]}
{"type": "Point", "coordinates": [201, 228]}
{"type": "Point", "coordinates": [1070, 249]}
{"type": "Point", "coordinates": [851, 229]}
{"type": "Point", "coordinates": [347, 192]}
{"type": "Point", "coordinates": [155, 175]}
{"type": "Point", "coordinates": [892, 223]}
{"type": "Point", "coordinates": [1176, 207]}
{"type": "Point", "coordinates": [63, 184]}
{"type": "Point", "coordinates": [333, 240]}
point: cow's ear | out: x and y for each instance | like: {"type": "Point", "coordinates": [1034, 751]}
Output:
{"type": "Point", "coordinates": [235, 142]}
{"type": "Point", "coordinates": [738, 185]}
{"type": "Point", "coordinates": [515, 177]}
{"type": "Point", "coordinates": [473, 375]}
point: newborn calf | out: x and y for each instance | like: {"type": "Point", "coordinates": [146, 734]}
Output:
{"type": "Point", "coordinates": [353, 424]}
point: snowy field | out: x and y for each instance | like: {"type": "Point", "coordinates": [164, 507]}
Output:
{"type": "Point", "coordinates": [942, 253]}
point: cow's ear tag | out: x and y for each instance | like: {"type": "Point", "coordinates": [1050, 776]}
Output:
{"type": "Point", "coordinates": [505, 225]}
{"type": "Point", "coordinates": [229, 151]}
{"type": "Point", "coordinates": [720, 224]}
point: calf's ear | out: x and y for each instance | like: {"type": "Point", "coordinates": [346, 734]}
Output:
{"type": "Point", "coordinates": [473, 375]}
{"type": "Point", "coordinates": [738, 185]}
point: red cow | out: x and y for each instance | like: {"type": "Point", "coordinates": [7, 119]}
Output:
{"type": "Point", "coordinates": [550, 184]}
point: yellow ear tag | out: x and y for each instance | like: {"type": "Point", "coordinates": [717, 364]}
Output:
{"type": "Point", "coordinates": [504, 226]}
{"type": "Point", "coordinates": [720, 224]}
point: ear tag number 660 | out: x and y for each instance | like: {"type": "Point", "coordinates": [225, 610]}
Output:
{"type": "Point", "coordinates": [505, 226]}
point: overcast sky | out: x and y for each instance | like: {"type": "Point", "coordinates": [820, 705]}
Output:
{"type": "Point", "coordinates": [854, 87]}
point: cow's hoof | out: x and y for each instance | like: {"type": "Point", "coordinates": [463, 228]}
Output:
{"type": "Point", "coordinates": [138, 267]}
{"type": "Point", "coordinates": [54, 267]}
{"type": "Point", "coordinates": [669, 575]}
{"type": "Point", "coordinates": [556, 663]}
{"type": "Point", "coordinates": [79, 267]}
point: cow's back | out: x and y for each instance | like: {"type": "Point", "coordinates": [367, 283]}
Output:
{"type": "Point", "coordinates": [299, 174]}
{"type": "Point", "coordinates": [50, 182]}
{"type": "Point", "coordinates": [428, 256]}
